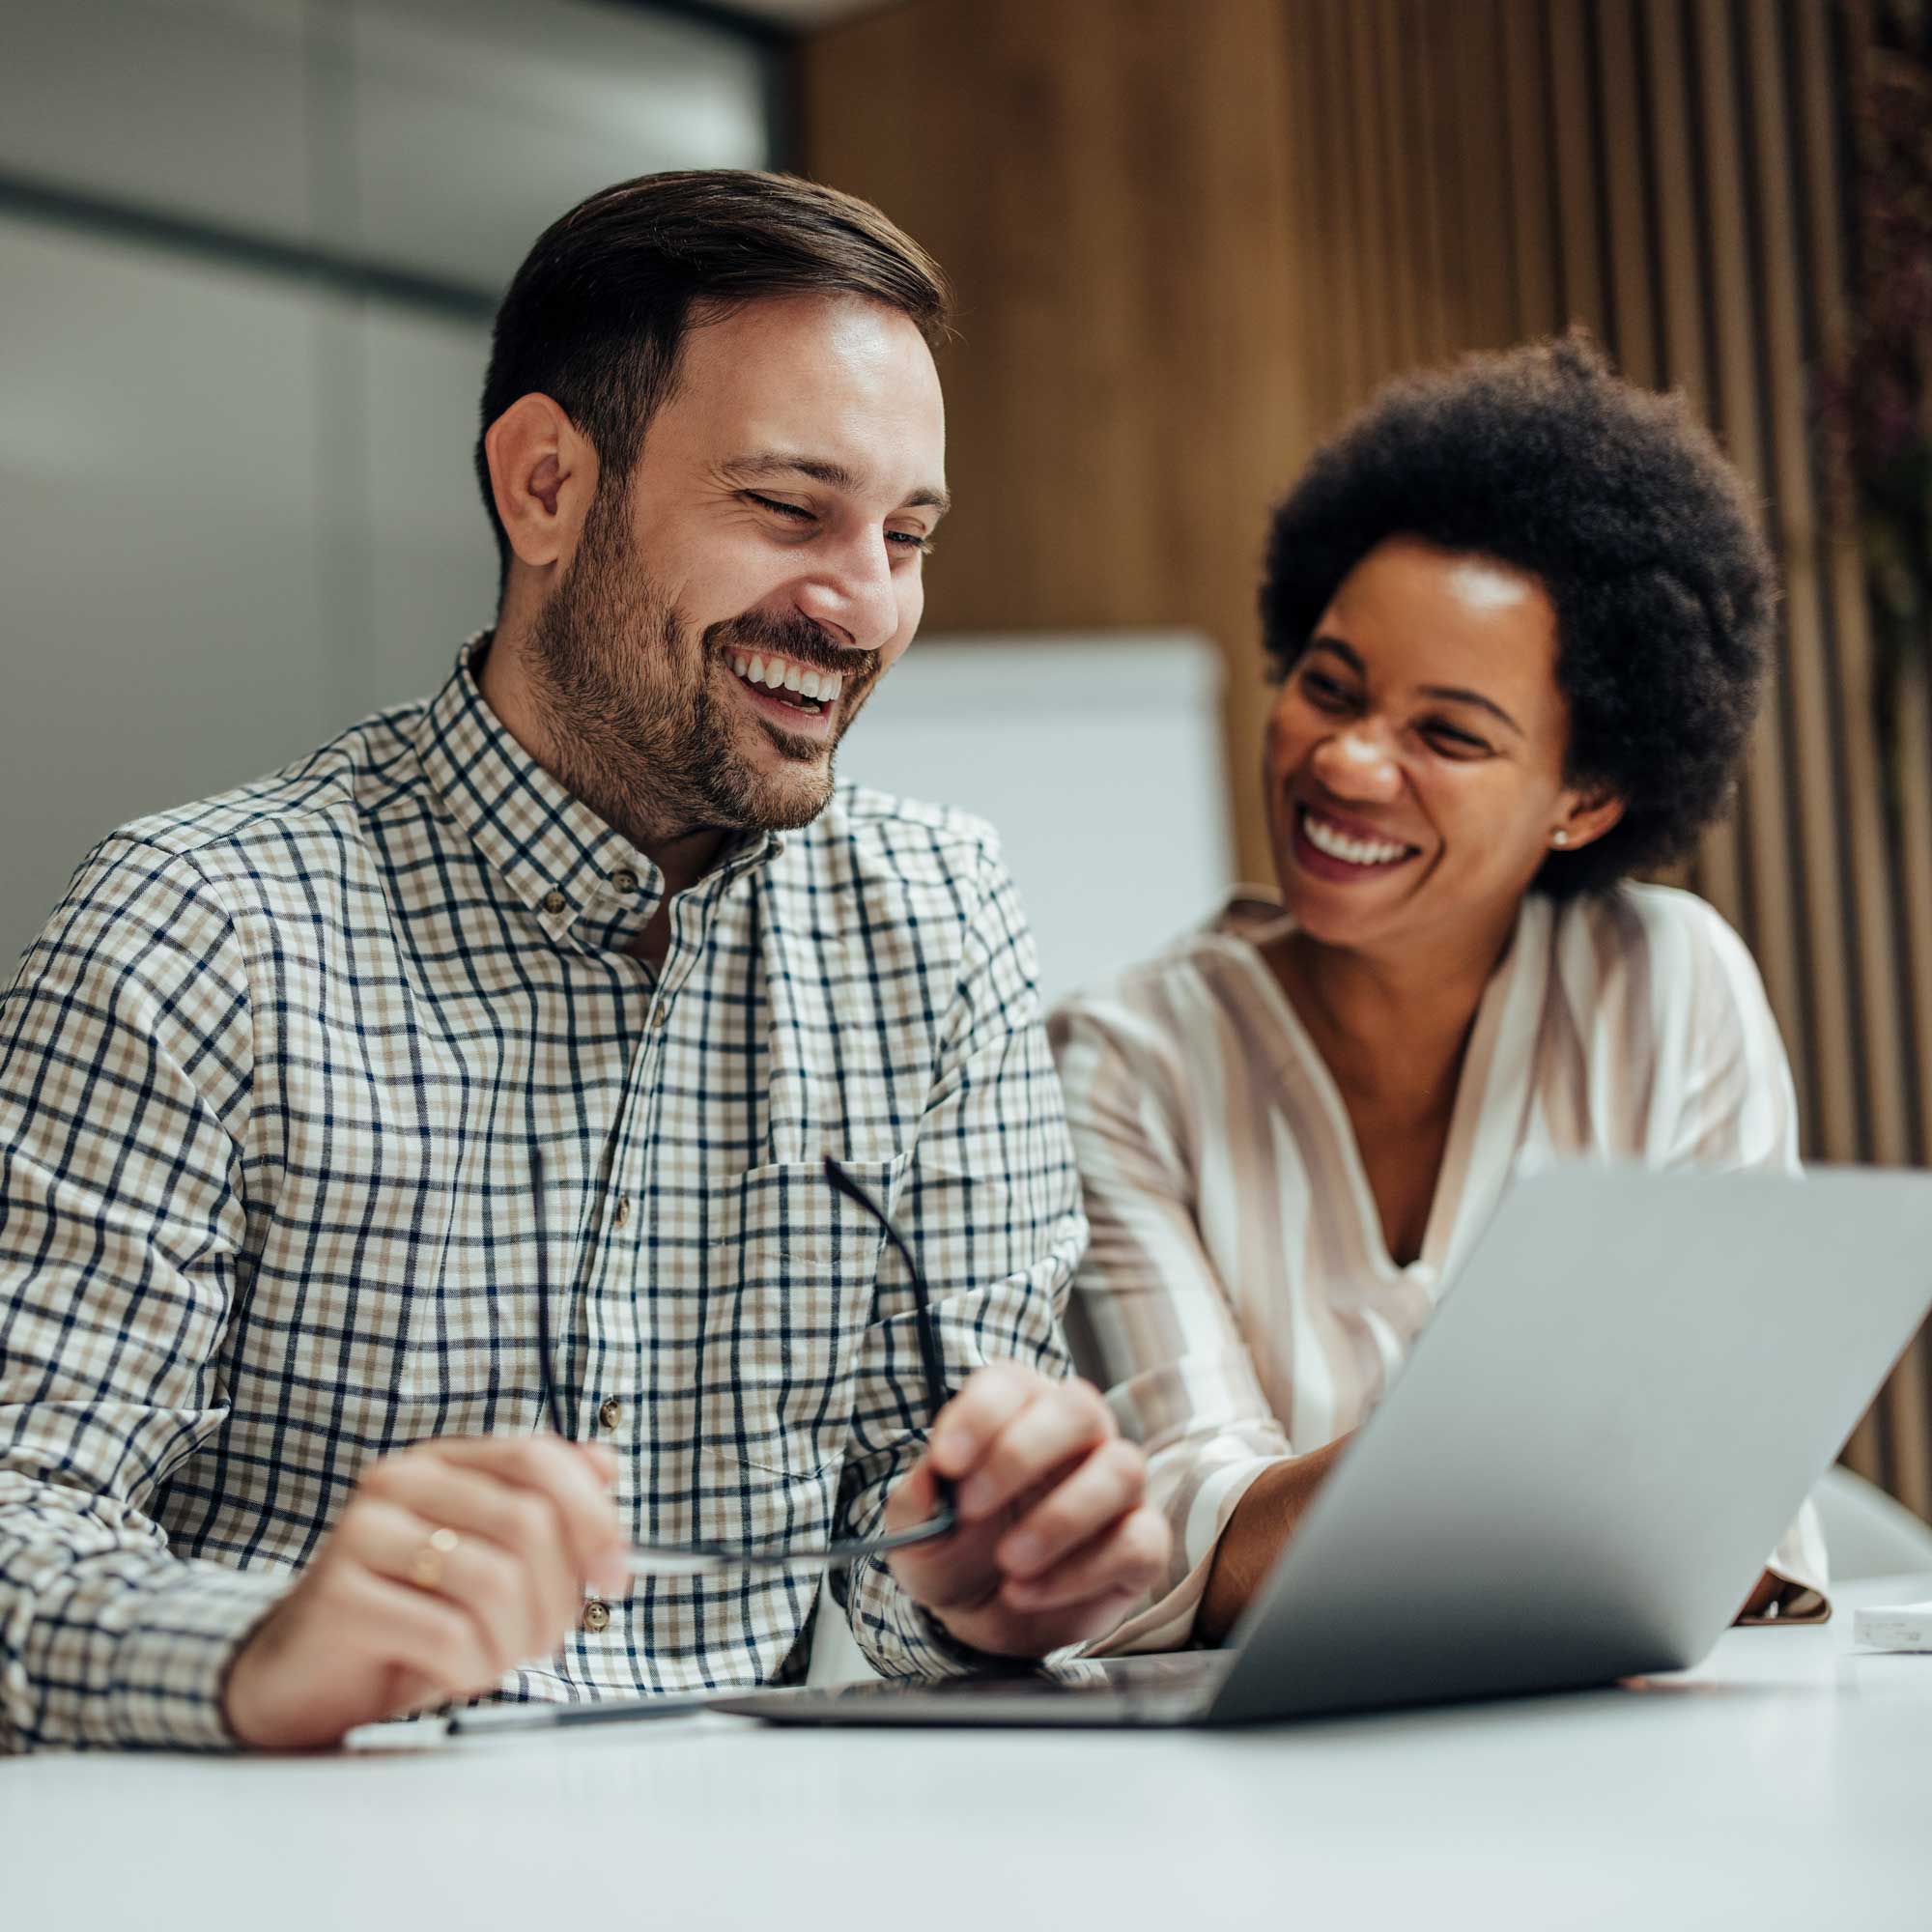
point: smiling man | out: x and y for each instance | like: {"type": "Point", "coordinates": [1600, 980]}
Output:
{"type": "Point", "coordinates": [467, 1087]}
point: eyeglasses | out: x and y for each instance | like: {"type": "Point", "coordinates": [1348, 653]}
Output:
{"type": "Point", "coordinates": [707, 1559]}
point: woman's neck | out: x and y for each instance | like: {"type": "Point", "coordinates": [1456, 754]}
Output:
{"type": "Point", "coordinates": [1392, 1024]}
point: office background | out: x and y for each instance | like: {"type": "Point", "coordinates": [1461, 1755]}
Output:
{"type": "Point", "coordinates": [249, 249]}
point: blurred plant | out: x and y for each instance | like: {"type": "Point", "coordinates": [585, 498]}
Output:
{"type": "Point", "coordinates": [1878, 400]}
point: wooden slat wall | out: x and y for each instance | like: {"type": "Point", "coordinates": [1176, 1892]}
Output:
{"type": "Point", "coordinates": [1107, 185]}
{"type": "Point", "coordinates": [1190, 239]}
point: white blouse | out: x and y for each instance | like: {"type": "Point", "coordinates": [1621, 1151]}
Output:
{"type": "Point", "coordinates": [1238, 1301]}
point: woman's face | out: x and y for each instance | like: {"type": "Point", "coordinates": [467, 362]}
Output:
{"type": "Point", "coordinates": [1414, 757]}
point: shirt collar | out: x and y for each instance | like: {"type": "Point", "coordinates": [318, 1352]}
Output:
{"type": "Point", "coordinates": [563, 864]}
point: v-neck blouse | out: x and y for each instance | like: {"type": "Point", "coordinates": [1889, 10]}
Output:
{"type": "Point", "coordinates": [1239, 1301]}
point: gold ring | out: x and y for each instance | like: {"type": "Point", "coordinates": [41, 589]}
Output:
{"type": "Point", "coordinates": [426, 1571]}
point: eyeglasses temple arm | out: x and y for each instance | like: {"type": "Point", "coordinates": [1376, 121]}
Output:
{"type": "Point", "coordinates": [936, 1391]}
{"type": "Point", "coordinates": [551, 1400]}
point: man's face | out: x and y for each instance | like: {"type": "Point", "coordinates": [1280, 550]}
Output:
{"type": "Point", "coordinates": [769, 544]}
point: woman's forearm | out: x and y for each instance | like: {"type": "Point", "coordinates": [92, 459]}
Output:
{"type": "Point", "coordinates": [1257, 1533]}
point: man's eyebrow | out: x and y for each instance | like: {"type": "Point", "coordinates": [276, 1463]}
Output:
{"type": "Point", "coordinates": [1454, 694]}
{"type": "Point", "coordinates": [834, 475]}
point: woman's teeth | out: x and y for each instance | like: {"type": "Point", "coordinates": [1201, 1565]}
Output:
{"type": "Point", "coordinates": [808, 689]}
{"type": "Point", "coordinates": [1338, 844]}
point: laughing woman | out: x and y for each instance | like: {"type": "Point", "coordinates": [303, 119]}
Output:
{"type": "Point", "coordinates": [1518, 616]}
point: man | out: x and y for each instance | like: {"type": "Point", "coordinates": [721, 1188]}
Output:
{"type": "Point", "coordinates": [476, 1073]}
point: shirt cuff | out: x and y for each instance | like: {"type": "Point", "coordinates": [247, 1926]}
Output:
{"type": "Point", "coordinates": [1802, 1564]}
{"type": "Point", "coordinates": [170, 1661]}
{"type": "Point", "coordinates": [899, 1637]}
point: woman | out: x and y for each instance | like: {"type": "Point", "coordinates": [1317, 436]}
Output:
{"type": "Point", "coordinates": [1520, 616]}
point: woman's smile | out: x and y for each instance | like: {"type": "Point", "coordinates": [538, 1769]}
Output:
{"type": "Point", "coordinates": [1343, 850]}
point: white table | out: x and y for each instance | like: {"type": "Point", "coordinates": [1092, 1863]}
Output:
{"type": "Point", "coordinates": [1788, 1782]}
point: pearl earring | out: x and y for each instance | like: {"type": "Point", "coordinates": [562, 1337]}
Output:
{"type": "Point", "coordinates": [1559, 838]}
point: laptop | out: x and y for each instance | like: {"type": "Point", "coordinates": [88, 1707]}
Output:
{"type": "Point", "coordinates": [1625, 1397]}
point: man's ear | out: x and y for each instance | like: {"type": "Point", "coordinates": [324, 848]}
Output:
{"type": "Point", "coordinates": [1586, 817]}
{"type": "Point", "coordinates": [543, 473]}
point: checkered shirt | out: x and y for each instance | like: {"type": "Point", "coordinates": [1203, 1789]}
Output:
{"type": "Point", "coordinates": [269, 1085]}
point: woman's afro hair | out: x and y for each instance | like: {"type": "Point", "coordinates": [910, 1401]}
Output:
{"type": "Point", "coordinates": [1625, 510]}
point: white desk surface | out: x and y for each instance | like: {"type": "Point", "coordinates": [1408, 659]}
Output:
{"type": "Point", "coordinates": [1787, 1783]}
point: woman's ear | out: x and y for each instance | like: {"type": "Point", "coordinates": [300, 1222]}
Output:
{"type": "Point", "coordinates": [543, 473]}
{"type": "Point", "coordinates": [1586, 817]}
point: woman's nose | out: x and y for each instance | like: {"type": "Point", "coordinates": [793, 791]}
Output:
{"type": "Point", "coordinates": [1357, 764]}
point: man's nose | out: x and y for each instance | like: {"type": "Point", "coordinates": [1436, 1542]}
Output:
{"type": "Point", "coordinates": [1358, 763]}
{"type": "Point", "coordinates": [851, 593]}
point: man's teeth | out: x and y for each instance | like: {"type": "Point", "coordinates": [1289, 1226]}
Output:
{"type": "Point", "coordinates": [781, 674]}
{"type": "Point", "coordinates": [1338, 844]}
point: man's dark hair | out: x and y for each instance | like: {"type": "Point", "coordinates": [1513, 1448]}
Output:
{"type": "Point", "coordinates": [597, 314]}
{"type": "Point", "coordinates": [1625, 509]}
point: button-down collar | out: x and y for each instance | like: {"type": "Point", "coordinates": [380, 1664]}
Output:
{"type": "Point", "coordinates": [580, 878]}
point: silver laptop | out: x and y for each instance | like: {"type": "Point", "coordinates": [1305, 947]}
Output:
{"type": "Point", "coordinates": [1625, 1397]}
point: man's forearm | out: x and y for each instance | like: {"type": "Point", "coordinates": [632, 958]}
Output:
{"type": "Point", "coordinates": [120, 1646]}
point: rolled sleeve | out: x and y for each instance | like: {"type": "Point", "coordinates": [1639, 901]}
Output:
{"type": "Point", "coordinates": [1150, 1320]}
{"type": "Point", "coordinates": [991, 1207]}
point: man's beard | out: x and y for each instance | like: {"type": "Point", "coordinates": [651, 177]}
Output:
{"type": "Point", "coordinates": [631, 722]}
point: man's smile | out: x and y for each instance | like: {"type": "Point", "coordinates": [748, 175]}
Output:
{"type": "Point", "coordinates": [797, 699]}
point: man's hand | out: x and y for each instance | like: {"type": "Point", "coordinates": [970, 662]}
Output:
{"type": "Point", "coordinates": [1055, 1542]}
{"type": "Point", "coordinates": [390, 1615]}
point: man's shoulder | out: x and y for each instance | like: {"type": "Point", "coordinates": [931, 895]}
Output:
{"type": "Point", "coordinates": [904, 883]}
{"type": "Point", "coordinates": [877, 831]}
{"type": "Point", "coordinates": [306, 815]}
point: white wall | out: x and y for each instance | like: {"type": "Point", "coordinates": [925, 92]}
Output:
{"type": "Point", "coordinates": [439, 138]}
{"type": "Point", "coordinates": [1097, 757]}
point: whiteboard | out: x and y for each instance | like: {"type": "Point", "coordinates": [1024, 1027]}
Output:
{"type": "Point", "coordinates": [1097, 756]}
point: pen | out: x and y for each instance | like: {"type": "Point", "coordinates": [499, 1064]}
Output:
{"type": "Point", "coordinates": [488, 1717]}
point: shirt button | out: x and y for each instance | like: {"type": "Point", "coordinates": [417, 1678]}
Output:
{"type": "Point", "coordinates": [596, 1615]}
{"type": "Point", "coordinates": [610, 1411]}
{"type": "Point", "coordinates": [661, 1017]}
{"type": "Point", "coordinates": [625, 880]}
{"type": "Point", "coordinates": [554, 903]}
{"type": "Point", "coordinates": [623, 1212]}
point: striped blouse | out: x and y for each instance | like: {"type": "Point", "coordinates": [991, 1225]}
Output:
{"type": "Point", "coordinates": [1238, 1301]}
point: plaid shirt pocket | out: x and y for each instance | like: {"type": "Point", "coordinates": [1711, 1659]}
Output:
{"type": "Point", "coordinates": [784, 1336]}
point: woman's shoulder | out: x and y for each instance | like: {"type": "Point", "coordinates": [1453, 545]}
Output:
{"type": "Point", "coordinates": [1198, 991]}
{"type": "Point", "coordinates": [1658, 920]}
{"type": "Point", "coordinates": [1660, 944]}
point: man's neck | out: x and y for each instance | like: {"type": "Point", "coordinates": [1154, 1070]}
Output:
{"type": "Point", "coordinates": [682, 854]}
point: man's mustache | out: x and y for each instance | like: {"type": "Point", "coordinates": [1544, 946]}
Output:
{"type": "Point", "coordinates": [797, 638]}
